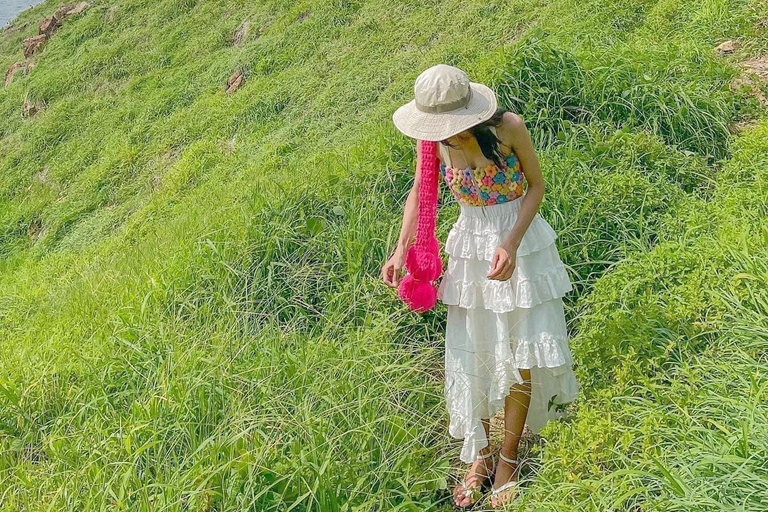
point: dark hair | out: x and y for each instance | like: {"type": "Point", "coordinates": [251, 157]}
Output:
{"type": "Point", "coordinates": [487, 141]}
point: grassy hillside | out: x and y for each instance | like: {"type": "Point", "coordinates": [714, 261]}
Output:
{"type": "Point", "coordinates": [191, 316]}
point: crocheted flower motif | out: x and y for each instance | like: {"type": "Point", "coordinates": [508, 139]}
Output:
{"type": "Point", "coordinates": [485, 185]}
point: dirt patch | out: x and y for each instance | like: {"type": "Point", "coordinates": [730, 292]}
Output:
{"type": "Point", "coordinates": [758, 67]}
{"type": "Point", "coordinates": [304, 15]}
{"type": "Point", "coordinates": [227, 145]}
{"type": "Point", "coordinates": [35, 230]}
{"type": "Point", "coordinates": [241, 34]}
{"type": "Point", "coordinates": [41, 176]}
{"type": "Point", "coordinates": [12, 29]}
{"type": "Point", "coordinates": [110, 12]}
{"type": "Point", "coordinates": [31, 107]}
{"type": "Point", "coordinates": [19, 66]}
{"type": "Point", "coordinates": [754, 79]}
{"type": "Point", "coordinates": [739, 126]}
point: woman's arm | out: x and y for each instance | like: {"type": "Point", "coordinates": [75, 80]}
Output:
{"type": "Point", "coordinates": [390, 272]}
{"type": "Point", "coordinates": [503, 264]}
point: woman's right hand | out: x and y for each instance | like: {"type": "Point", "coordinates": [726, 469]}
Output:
{"type": "Point", "coordinates": [391, 271]}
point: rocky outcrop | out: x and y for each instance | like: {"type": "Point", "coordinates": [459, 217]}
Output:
{"type": "Point", "coordinates": [62, 10]}
{"type": "Point", "coordinates": [727, 47]}
{"type": "Point", "coordinates": [33, 44]}
{"type": "Point", "coordinates": [46, 29]}
{"type": "Point", "coordinates": [234, 81]}
{"type": "Point", "coordinates": [78, 8]}
{"type": "Point", "coordinates": [49, 25]}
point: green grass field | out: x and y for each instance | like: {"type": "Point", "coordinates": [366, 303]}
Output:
{"type": "Point", "coordinates": [191, 314]}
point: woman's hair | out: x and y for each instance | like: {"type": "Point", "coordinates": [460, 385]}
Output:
{"type": "Point", "coordinates": [487, 141]}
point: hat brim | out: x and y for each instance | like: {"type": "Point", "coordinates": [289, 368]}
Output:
{"type": "Point", "coordinates": [435, 127]}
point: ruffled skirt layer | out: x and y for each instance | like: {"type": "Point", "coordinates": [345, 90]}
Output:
{"type": "Point", "coordinates": [496, 328]}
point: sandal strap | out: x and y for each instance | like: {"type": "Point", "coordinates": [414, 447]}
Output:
{"type": "Point", "coordinates": [469, 490]}
{"type": "Point", "coordinates": [507, 459]}
{"type": "Point", "coordinates": [496, 492]}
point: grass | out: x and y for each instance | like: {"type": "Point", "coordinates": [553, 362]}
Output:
{"type": "Point", "coordinates": [190, 311]}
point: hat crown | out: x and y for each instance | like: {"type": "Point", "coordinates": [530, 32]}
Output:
{"type": "Point", "coordinates": [441, 86]}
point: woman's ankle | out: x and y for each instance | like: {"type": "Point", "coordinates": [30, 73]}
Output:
{"type": "Point", "coordinates": [509, 453]}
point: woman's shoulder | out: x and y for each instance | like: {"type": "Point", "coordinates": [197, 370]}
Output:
{"type": "Point", "coordinates": [511, 126]}
{"type": "Point", "coordinates": [511, 131]}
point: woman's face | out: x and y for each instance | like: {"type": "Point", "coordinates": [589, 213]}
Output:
{"type": "Point", "coordinates": [460, 139]}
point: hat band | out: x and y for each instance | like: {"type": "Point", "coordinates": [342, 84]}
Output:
{"type": "Point", "coordinates": [444, 107]}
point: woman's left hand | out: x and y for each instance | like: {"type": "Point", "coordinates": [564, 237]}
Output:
{"type": "Point", "coordinates": [503, 263]}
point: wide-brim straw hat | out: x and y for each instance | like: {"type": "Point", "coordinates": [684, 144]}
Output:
{"type": "Point", "coordinates": [445, 103]}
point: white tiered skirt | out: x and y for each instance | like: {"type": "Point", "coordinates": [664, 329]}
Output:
{"type": "Point", "coordinates": [495, 328]}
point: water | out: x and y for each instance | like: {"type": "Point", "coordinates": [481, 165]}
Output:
{"type": "Point", "coordinates": [10, 8]}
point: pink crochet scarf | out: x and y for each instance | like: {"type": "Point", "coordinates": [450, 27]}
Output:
{"type": "Point", "coordinates": [422, 261]}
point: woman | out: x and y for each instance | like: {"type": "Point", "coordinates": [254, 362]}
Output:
{"type": "Point", "coordinates": [506, 343]}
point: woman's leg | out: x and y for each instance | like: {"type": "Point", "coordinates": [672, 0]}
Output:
{"type": "Point", "coordinates": [477, 474]}
{"type": "Point", "coordinates": [515, 413]}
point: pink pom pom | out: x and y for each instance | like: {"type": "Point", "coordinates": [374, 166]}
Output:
{"type": "Point", "coordinates": [425, 266]}
{"type": "Point", "coordinates": [433, 269]}
{"type": "Point", "coordinates": [405, 290]}
{"type": "Point", "coordinates": [418, 295]}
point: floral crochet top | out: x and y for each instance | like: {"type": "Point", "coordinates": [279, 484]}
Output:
{"type": "Point", "coordinates": [484, 186]}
